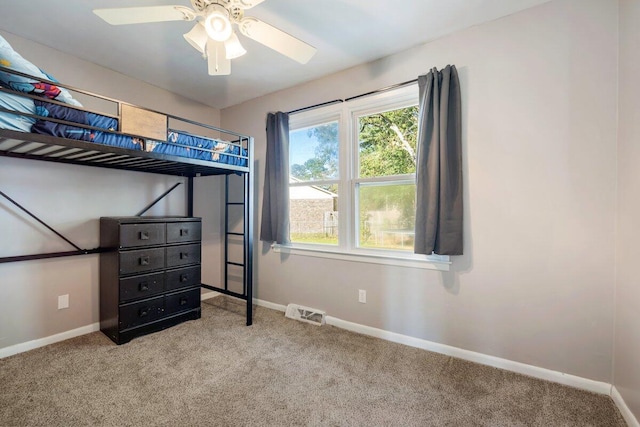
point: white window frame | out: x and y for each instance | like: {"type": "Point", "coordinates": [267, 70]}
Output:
{"type": "Point", "coordinates": [346, 114]}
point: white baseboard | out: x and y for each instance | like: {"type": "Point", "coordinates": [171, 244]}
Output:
{"type": "Point", "coordinates": [483, 359]}
{"type": "Point", "coordinates": [628, 416]}
{"type": "Point", "coordinates": [271, 305]}
{"type": "Point", "coordinates": [208, 295]}
{"type": "Point", "coordinates": [472, 356]}
{"type": "Point", "coordinates": [41, 342]}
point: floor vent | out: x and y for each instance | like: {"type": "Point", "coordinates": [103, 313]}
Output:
{"type": "Point", "coordinates": [305, 314]}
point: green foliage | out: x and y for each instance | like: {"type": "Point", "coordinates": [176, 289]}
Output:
{"type": "Point", "coordinates": [387, 142]}
{"type": "Point", "coordinates": [314, 168]}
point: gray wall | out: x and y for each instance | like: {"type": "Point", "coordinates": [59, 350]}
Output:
{"type": "Point", "coordinates": [71, 199]}
{"type": "Point", "coordinates": [539, 135]}
{"type": "Point", "coordinates": [627, 334]}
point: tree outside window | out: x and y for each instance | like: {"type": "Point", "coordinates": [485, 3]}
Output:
{"type": "Point", "coordinates": [386, 188]}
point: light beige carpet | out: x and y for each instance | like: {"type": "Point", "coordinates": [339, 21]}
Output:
{"type": "Point", "coordinates": [279, 372]}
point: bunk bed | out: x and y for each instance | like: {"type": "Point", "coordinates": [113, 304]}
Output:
{"type": "Point", "coordinates": [41, 120]}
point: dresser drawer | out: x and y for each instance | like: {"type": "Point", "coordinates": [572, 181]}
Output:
{"type": "Point", "coordinates": [179, 232]}
{"type": "Point", "coordinates": [182, 301]}
{"type": "Point", "coordinates": [141, 260]}
{"type": "Point", "coordinates": [133, 235]}
{"type": "Point", "coordinates": [139, 313]}
{"type": "Point", "coordinates": [182, 278]}
{"type": "Point", "coordinates": [138, 287]}
{"type": "Point", "coordinates": [183, 255]}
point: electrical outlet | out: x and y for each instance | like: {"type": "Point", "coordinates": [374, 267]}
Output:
{"type": "Point", "coordinates": [63, 301]}
{"type": "Point", "coordinates": [362, 296]}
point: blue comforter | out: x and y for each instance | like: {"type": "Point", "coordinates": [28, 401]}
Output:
{"type": "Point", "coordinates": [46, 127]}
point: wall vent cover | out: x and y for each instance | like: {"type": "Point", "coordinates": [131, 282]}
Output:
{"type": "Point", "coordinates": [305, 314]}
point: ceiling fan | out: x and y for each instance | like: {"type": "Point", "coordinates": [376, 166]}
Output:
{"type": "Point", "coordinates": [213, 35]}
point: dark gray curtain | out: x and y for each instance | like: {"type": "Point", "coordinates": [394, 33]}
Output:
{"type": "Point", "coordinates": [275, 201]}
{"type": "Point", "coordinates": [439, 164]}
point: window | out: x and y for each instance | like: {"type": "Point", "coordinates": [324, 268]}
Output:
{"type": "Point", "coordinates": [385, 181]}
{"type": "Point", "coordinates": [314, 183]}
{"type": "Point", "coordinates": [352, 179]}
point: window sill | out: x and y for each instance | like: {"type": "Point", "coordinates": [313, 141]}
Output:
{"type": "Point", "coordinates": [433, 262]}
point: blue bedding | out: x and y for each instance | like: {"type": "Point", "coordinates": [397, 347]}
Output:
{"type": "Point", "coordinates": [56, 111]}
{"type": "Point", "coordinates": [43, 126]}
{"type": "Point", "coordinates": [178, 143]}
{"type": "Point", "coordinates": [196, 147]}
{"type": "Point", "coordinates": [96, 136]}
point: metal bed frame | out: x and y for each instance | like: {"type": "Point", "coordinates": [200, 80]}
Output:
{"type": "Point", "coordinates": [31, 146]}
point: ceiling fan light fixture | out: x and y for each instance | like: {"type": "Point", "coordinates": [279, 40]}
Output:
{"type": "Point", "coordinates": [197, 37]}
{"type": "Point", "coordinates": [217, 23]}
{"type": "Point", "coordinates": [233, 47]}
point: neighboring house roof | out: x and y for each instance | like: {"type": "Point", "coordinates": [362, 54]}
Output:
{"type": "Point", "coordinates": [308, 192]}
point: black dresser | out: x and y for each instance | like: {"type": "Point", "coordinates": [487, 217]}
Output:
{"type": "Point", "coordinates": [149, 274]}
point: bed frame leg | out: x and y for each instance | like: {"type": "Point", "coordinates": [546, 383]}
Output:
{"type": "Point", "coordinates": [190, 196]}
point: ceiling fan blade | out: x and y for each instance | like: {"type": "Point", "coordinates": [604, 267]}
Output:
{"type": "Point", "coordinates": [277, 40]}
{"type": "Point", "coordinates": [139, 15]}
{"type": "Point", "coordinates": [217, 61]}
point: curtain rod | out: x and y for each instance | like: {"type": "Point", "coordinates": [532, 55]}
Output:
{"type": "Point", "coordinates": [384, 89]}
{"type": "Point", "coordinates": [336, 101]}
{"type": "Point", "coordinates": [311, 107]}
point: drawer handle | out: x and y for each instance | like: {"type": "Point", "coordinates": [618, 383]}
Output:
{"type": "Point", "coordinates": [184, 231]}
{"type": "Point", "coordinates": [144, 260]}
{"type": "Point", "coordinates": [143, 312]}
{"type": "Point", "coordinates": [144, 235]}
{"type": "Point", "coordinates": [184, 255]}
{"type": "Point", "coordinates": [144, 286]}
{"type": "Point", "coordinates": [184, 277]}
{"type": "Point", "coordinates": [183, 301]}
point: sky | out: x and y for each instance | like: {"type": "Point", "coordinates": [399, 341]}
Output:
{"type": "Point", "coordinates": [301, 147]}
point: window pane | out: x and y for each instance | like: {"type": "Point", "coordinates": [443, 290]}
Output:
{"type": "Point", "coordinates": [313, 152]}
{"type": "Point", "coordinates": [387, 142]}
{"type": "Point", "coordinates": [386, 216]}
{"type": "Point", "coordinates": [313, 214]}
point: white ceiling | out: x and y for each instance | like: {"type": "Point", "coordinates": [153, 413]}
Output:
{"type": "Point", "coordinates": [345, 32]}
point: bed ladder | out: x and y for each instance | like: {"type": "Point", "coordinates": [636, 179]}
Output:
{"type": "Point", "coordinates": [246, 219]}
{"type": "Point", "coordinates": [247, 253]}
